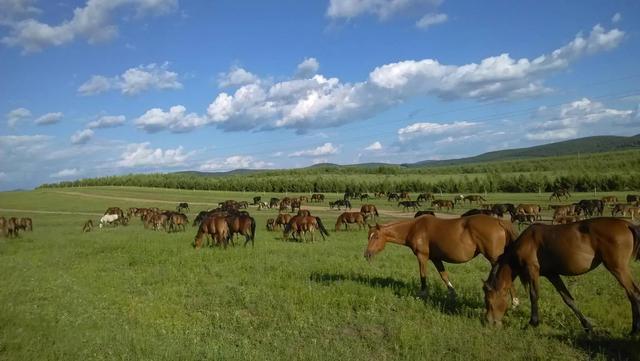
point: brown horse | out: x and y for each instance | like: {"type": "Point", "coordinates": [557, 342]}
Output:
{"type": "Point", "coordinates": [26, 224]}
{"type": "Point", "coordinates": [369, 210]}
{"type": "Point", "coordinates": [350, 217]}
{"type": "Point", "coordinates": [570, 250]}
{"type": "Point", "coordinates": [216, 227]}
{"type": "Point", "coordinates": [244, 225]}
{"type": "Point", "coordinates": [300, 226]}
{"type": "Point", "coordinates": [304, 212]}
{"type": "Point", "coordinates": [282, 219]}
{"type": "Point", "coordinates": [455, 240]}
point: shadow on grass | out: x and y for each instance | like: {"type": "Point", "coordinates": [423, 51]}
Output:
{"type": "Point", "coordinates": [612, 348]}
{"type": "Point", "coordinates": [438, 297]}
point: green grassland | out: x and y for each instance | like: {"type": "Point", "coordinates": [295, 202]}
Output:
{"type": "Point", "coordinates": [133, 294]}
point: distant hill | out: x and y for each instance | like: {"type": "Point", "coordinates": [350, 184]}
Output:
{"type": "Point", "coordinates": [596, 144]}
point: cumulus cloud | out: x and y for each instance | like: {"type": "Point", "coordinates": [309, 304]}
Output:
{"type": "Point", "coordinates": [431, 19]}
{"type": "Point", "coordinates": [12, 11]}
{"type": "Point", "coordinates": [308, 68]}
{"type": "Point", "coordinates": [142, 155]}
{"type": "Point", "coordinates": [574, 118]}
{"type": "Point", "coordinates": [374, 146]}
{"type": "Point", "coordinates": [423, 130]}
{"type": "Point", "coordinates": [325, 149]}
{"type": "Point", "coordinates": [176, 120]}
{"type": "Point", "coordinates": [235, 162]}
{"type": "Point", "coordinates": [17, 115]}
{"type": "Point", "coordinates": [65, 173]}
{"type": "Point", "coordinates": [134, 80]}
{"type": "Point", "coordinates": [82, 136]}
{"type": "Point", "coordinates": [383, 9]}
{"type": "Point", "coordinates": [107, 121]}
{"type": "Point", "coordinates": [49, 118]}
{"type": "Point", "coordinates": [236, 77]}
{"type": "Point", "coordinates": [92, 22]}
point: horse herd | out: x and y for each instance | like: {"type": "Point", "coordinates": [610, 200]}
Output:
{"type": "Point", "coordinates": [10, 227]}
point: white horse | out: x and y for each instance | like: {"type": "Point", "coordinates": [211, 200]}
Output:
{"type": "Point", "coordinates": [108, 219]}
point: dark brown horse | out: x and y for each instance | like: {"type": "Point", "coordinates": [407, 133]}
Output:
{"type": "Point", "coordinates": [455, 240]}
{"type": "Point", "coordinates": [216, 227]}
{"type": "Point", "coordinates": [570, 250]}
{"type": "Point", "coordinates": [282, 219]}
{"type": "Point", "coordinates": [300, 226]}
{"type": "Point", "coordinates": [350, 217]}
{"type": "Point", "coordinates": [244, 225]}
{"type": "Point", "coordinates": [369, 210]}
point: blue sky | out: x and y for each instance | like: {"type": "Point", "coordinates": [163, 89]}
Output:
{"type": "Point", "coordinates": [102, 87]}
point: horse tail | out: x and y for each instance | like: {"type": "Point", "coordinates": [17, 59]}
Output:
{"type": "Point", "coordinates": [510, 233]}
{"type": "Point", "coordinates": [253, 229]}
{"type": "Point", "coordinates": [323, 231]}
{"type": "Point", "coordinates": [338, 222]}
{"type": "Point", "coordinates": [635, 230]}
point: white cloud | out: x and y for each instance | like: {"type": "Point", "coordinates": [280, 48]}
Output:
{"type": "Point", "coordinates": [383, 9]}
{"type": "Point", "coordinates": [12, 11]}
{"type": "Point", "coordinates": [16, 115]}
{"type": "Point", "coordinates": [422, 130]}
{"type": "Point", "coordinates": [236, 77]}
{"type": "Point", "coordinates": [107, 121]}
{"type": "Point", "coordinates": [176, 120]}
{"type": "Point", "coordinates": [141, 155]}
{"type": "Point", "coordinates": [308, 68]}
{"type": "Point", "coordinates": [325, 149]}
{"type": "Point", "coordinates": [235, 162]}
{"type": "Point", "coordinates": [92, 22]}
{"type": "Point", "coordinates": [616, 18]}
{"type": "Point", "coordinates": [49, 118]}
{"type": "Point", "coordinates": [82, 136]}
{"type": "Point", "coordinates": [65, 173]}
{"type": "Point", "coordinates": [573, 118]}
{"type": "Point", "coordinates": [431, 19]}
{"type": "Point", "coordinates": [134, 80]}
{"type": "Point", "coordinates": [374, 146]}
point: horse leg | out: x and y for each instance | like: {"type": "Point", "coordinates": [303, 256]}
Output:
{"type": "Point", "coordinates": [422, 263]}
{"type": "Point", "coordinates": [534, 287]}
{"type": "Point", "coordinates": [556, 281]}
{"type": "Point", "coordinates": [445, 277]}
{"type": "Point", "coordinates": [623, 276]}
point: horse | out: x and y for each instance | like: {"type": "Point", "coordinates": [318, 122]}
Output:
{"type": "Point", "coordinates": [442, 203]}
{"type": "Point", "coordinates": [369, 210]}
{"type": "Point", "coordinates": [364, 196]}
{"type": "Point", "coordinates": [439, 240]}
{"type": "Point", "coordinates": [108, 219]}
{"type": "Point", "coordinates": [88, 226]}
{"type": "Point", "coordinates": [620, 208]}
{"type": "Point", "coordinates": [422, 213]}
{"type": "Point", "coordinates": [274, 202]}
{"type": "Point", "coordinates": [633, 212]}
{"type": "Point", "coordinates": [317, 197]}
{"type": "Point", "coordinates": [474, 198]}
{"type": "Point", "coordinates": [340, 203]}
{"type": "Point", "coordinates": [271, 224]}
{"type": "Point", "coordinates": [393, 196]}
{"type": "Point", "coordinates": [243, 205]}
{"type": "Point", "coordinates": [301, 225]}
{"type": "Point", "coordinates": [215, 226]}
{"type": "Point", "coordinates": [244, 225]}
{"type": "Point", "coordinates": [529, 209]}
{"type": "Point", "coordinates": [591, 207]}
{"type": "Point", "coordinates": [569, 250]}
{"type": "Point", "coordinates": [409, 204]}
{"type": "Point", "coordinates": [114, 210]}
{"type": "Point", "coordinates": [404, 195]}
{"type": "Point", "coordinates": [425, 197]}
{"type": "Point", "coordinates": [184, 206]}
{"type": "Point", "coordinates": [559, 194]}
{"type": "Point", "coordinates": [609, 199]}
{"type": "Point", "coordinates": [304, 212]}
{"type": "Point", "coordinates": [500, 209]}
{"type": "Point", "coordinates": [177, 221]}
{"type": "Point", "coordinates": [295, 204]}
{"type": "Point", "coordinates": [11, 227]}
{"type": "Point", "coordinates": [256, 200]}
{"type": "Point", "coordinates": [632, 198]}
{"type": "Point", "coordinates": [458, 198]}
{"type": "Point", "coordinates": [282, 219]}
{"type": "Point", "coordinates": [350, 217]}
{"type": "Point", "coordinates": [26, 224]}
{"type": "Point", "coordinates": [378, 194]}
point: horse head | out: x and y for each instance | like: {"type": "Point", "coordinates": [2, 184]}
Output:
{"type": "Point", "coordinates": [377, 240]}
{"type": "Point", "coordinates": [495, 297]}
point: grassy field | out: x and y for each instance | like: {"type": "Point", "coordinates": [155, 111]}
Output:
{"type": "Point", "coordinates": [136, 294]}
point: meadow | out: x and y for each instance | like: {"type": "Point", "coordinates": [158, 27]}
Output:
{"type": "Point", "coordinates": [134, 294]}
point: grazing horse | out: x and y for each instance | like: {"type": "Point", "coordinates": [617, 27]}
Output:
{"type": "Point", "coordinates": [442, 203]}
{"type": "Point", "coordinates": [633, 198]}
{"type": "Point", "coordinates": [317, 197]}
{"type": "Point", "coordinates": [88, 226]}
{"type": "Point", "coordinates": [369, 210]}
{"type": "Point", "coordinates": [609, 199]}
{"type": "Point", "coordinates": [350, 217]}
{"type": "Point", "coordinates": [364, 196]}
{"type": "Point", "coordinates": [500, 209]}
{"type": "Point", "coordinates": [379, 194]}
{"type": "Point", "coordinates": [304, 212]}
{"type": "Point", "coordinates": [244, 225]}
{"type": "Point", "coordinates": [458, 198]}
{"type": "Point", "coordinates": [215, 226]}
{"type": "Point", "coordinates": [474, 211]}
{"type": "Point", "coordinates": [271, 224]}
{"type": "Point", "coordinates": [114, 210]}
{"type": "Point", "coordinates": [184, 206]}
{"type": "Point", "coordinates": [393, 196]}
{"type": "Point", "coordinates": [405, 196]}
{"type": "Point", "coordinates": [591, 207]}
{"type": "Point", "coordinates": [340, 203]}
{"type": "Point", "coordinates": [11, 227]}
{"type": "Point", "coordinates": [282, 219]}
{"type": "Point", "coordinates": [422, 213]}
{"type": "Point", "coordinates": [178, 221]}
{"type": "Point", "coordinates": [274, 202]}
{"type": "Point", "coordinates": [262, 205]}
{"type": "Point", "coordinates": [425, 197]}
{"type": "Point", "coordinates": [302, 225]}
{"type": "Point", "coordinates": [474, 198]}
{"type": "Point", "coordinates": [570, 250]}
{"type": "Point", "coordinates": [620, 208]}
{"type": "Point", "coordinates": [25, 224]}
{"type": "Point", "coordinates": [256, 200]}
{"type": "Point", "coordinates": [108, 219]}
{"type": "Point", "coordinates": [456, 240]}
{"type": "Point", "coordinates": [529, 210]}
{"type": "Point", "coordinates": [559, 194]}
{"type": "Point", "coordinates": [409, 204]}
